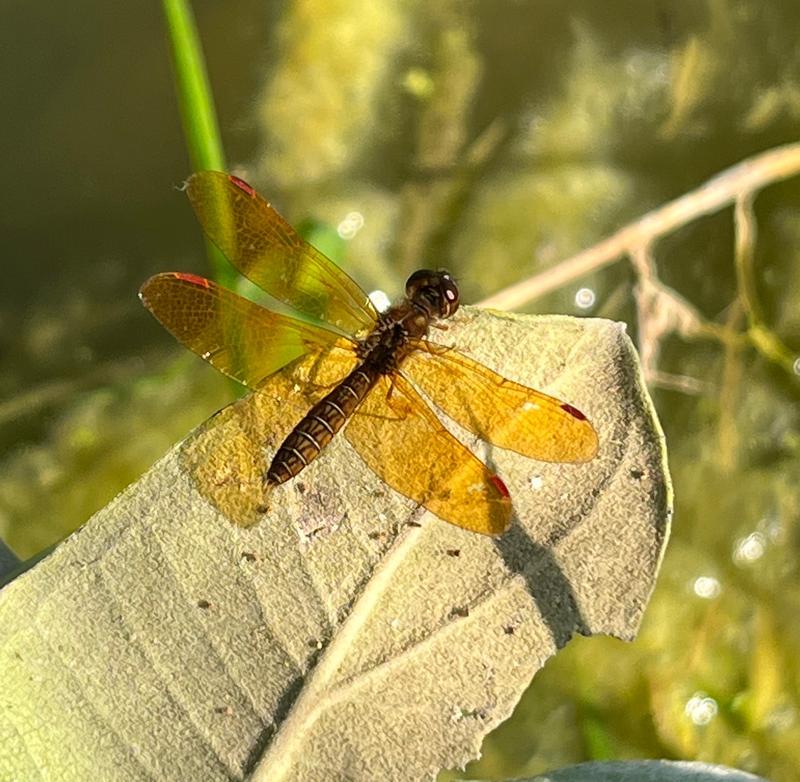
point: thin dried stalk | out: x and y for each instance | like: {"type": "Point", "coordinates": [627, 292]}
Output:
{"type": "Point", "coordinates": [737, 185]}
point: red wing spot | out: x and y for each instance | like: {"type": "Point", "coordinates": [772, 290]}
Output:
{"type": "Point", "coordinates": [242, 185]}
{"type": "Point", "coordinates": [500, 486]}
{"type": "Point", "coordinates": [573, 411]}
{"type": "Point", "coordinates": [195, 279]}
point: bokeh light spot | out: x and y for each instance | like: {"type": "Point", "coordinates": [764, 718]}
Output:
{"type": "Point", "coordinates": [585, 298]}
{"type": "Point", "coordinates": [749, 549]}
{"type": "Point", "coordinates": [706, 587]}
{"type": "Point", "coordinates": [380, 300]}
{"type": "Point", "coordinates": [701, 709]}
{"type": "Point", "coordinates": [352, 223]}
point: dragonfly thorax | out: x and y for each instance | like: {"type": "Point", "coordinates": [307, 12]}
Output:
{"type": "Point", "coordinates": [384, 348]}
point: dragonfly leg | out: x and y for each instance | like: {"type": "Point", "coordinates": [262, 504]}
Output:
{"type": "Point", "coordinates": [395, 402]}
{"type": "Point", "coordinates": [436, 350]}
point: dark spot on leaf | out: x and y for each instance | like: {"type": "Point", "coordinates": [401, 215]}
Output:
{"type": "Point", "coordinates": [509, 629]}
{"type": "Point", "coordinates": [249, 556]}
{"type": "Point", "coordinates": [459, 611]}
{"type": "Point", "coordinates": [479, 714]}
{"type": "Point", "coordinates": [453, 552]}
{"type": "Point", "coordinates": [637, 474]}
{"type": "Point", "coordinates": [203, 604]}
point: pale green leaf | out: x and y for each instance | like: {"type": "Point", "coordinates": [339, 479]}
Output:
{"type": "Point", "coordinates": [334, 640]}
{"type": "Point", "coordinates": [644, 771]}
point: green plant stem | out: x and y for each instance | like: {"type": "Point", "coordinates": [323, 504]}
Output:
{"type": "Point", "coordinates": [196, 103]}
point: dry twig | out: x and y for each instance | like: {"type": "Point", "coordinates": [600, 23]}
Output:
{"type": "Point", "coordinates": [662, 310]}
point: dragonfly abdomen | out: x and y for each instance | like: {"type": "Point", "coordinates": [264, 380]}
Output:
{"type": "Point", "coordinates": [323, 421]}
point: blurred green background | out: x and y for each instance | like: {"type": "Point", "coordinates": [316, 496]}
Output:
{"type": "Point", "coordinates": [494, 138]}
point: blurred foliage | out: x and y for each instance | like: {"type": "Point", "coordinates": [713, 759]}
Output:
{"type": "Point", "coordinates": [494, 138]}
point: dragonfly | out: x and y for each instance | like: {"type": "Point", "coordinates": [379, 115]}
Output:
{"type": "Point", "coordinates": [335, 364]}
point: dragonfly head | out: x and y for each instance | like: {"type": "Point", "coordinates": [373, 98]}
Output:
{"type": "Point", "coordinates": [436, 291]}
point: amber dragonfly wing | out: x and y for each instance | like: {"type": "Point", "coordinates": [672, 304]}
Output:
{"type": "Point", "coordinates": [500, 411]}
{"type": "Point", "coordinates": [242, 339]}
{"type": "Point", "coordinates": [407, 446]}
{"type": "Point", "coordinates": [229, 455]}
{"type": "Point", "coordinates": [270, 253]}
